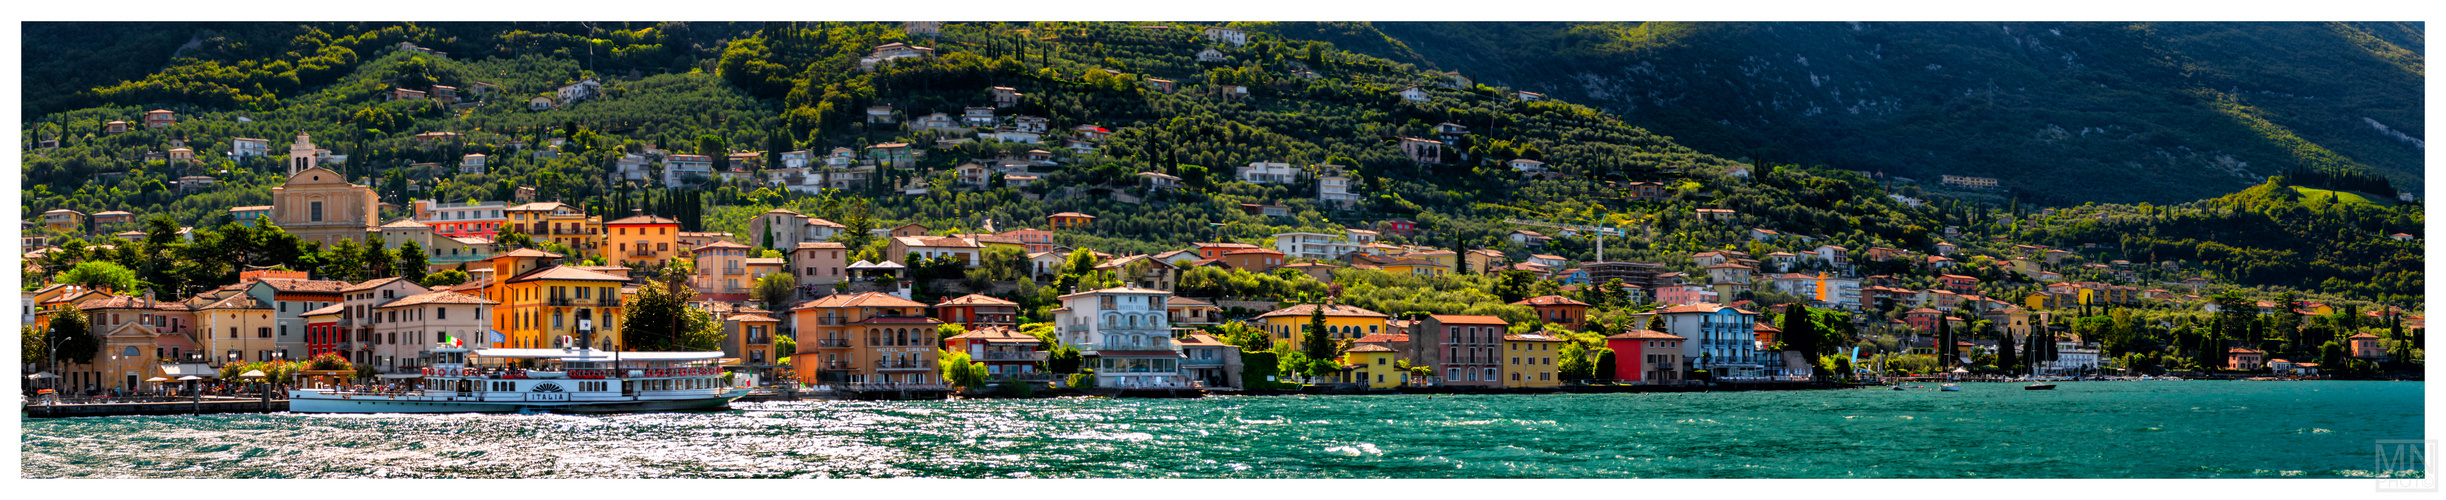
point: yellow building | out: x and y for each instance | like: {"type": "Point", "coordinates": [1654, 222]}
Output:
{"type": "Point", "coordinates": [236, 328]}
{"type": "Point", "coordinates": [64, 221]}
{"type": "Point", "coordinates": [1529, 358]}
{"type": "Point", "coordinates": [1446, 258]}
{"type": "Point", "coordinates": [1373, 365]}
{"type": "Point", "coordinates": [642, 239]}
{"type": "Point", "coordinates": [1341, 322]}
{"type": "Point", "coordinates": [558, 223]}
{"type": "Point", "coordinates": [1069, 220]}
{"type": "Point", "coordinates": [1418, 267]}
{"type": "Point", "coordinates": [546, 305]}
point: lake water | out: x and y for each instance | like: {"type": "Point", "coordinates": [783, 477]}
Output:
{"type": "Point", "coordinates": [2182, 429]}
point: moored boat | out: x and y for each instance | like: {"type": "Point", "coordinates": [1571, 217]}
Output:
{"type": "Point", "coordinates": [2041, 386]}
{"type": "Point", "coordinates": [1950, 388]}
{"type": "Point", "coordinates": [568, 380]}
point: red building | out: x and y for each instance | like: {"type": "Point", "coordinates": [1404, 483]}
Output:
{"type": "Point", "coordinates": [1404, 227]}
{"type": "Point", "coordinates": [1557, 309]}
{"type": "Point", "coordinates": [323, 332]}
{"type": "Point", "coordinates": [1959, 283]}
{"type": "Point", "coordinates": [1923, 318]}
{"type": "Point", "coordinates": [1647, 356]}
{"type": "Point", "coordinates": [976, 312]}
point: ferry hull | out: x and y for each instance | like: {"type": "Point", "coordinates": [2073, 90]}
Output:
{"type": "Point", "coordinates": [316, 403]}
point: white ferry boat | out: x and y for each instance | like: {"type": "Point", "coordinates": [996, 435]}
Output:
{"type": "Point", "coordinates": [570, 380]}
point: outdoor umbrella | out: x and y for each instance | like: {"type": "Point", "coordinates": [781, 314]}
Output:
{"type": "Point", "coordinates": [190, 377]}
{"type": "Point", "coordinates": [252, 374]}
{"type": "Point", "coordinates": [43, 375]}
{"type": "Point", "coordinates": [156, 379]}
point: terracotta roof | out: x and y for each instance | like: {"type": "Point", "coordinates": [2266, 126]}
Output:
{"type": "Point", "coordinates": [1252, 251]}
{"type": "Point", "coordinates": [1072, 214]}
{"type": "Point", "coordinates": [1377, 348]}
{"type": "Point", "coordinates": [525, 252]}
{"type": "Point", "coordinates": [1333, 310]}
{"type": "Point", "coordinates": [766, 261]}
{"type": "Point", "coordinates": [1118, 289]}
{"type": "Point", "coordinates": [1762, 326]}
{"type": "Point", "coordinates": [1468, 319]}
{"type": "Point", "coordinates": [1382, 337]}
{"type": "Point", "coordinates": [822, 245]}
{"type": "Point", "coordinates": [996, 334]}
{"type": "Point", "coordinates": [309, 286]}
{"type": "Point", "coordinates": [1549, 300]}
{"type": "Point", "coordinates": [1185, 301]}
{"type": "Point", "coordinates": [330, 309]}
{"type": "Point", "coordinates": [441, 297]}
{"type": "Point", "coordinates": [719, 245]}
{"type": "Point", "coordinates": [976, 299]}
{"type": "Point", "coordinates": [371, 284]}
{"type": "Point", "coordinates": [238, 301]}
{"type": "Point", "coordinates": [641, 220]}
{"type": "Point", "coordinates": [1530, 337]}
{"type": "Point", "coordinates": [867, 299]}
{"type": "Point", "coordinates": [563, 273]}
{"type": "Point", "coordinates": [1692, 308]}
{"type": "Point", "coordinates": [935, 241]}
{"type": "Point", "coordinates": [1645, 335]}
{"type": "Point", "coordinates": [751, 318]}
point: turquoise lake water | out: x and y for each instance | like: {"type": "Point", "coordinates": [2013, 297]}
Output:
{"type": "Point", "coordinates": [2183, 429]}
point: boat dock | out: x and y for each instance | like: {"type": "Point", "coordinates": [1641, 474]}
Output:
{"type": "Point", "coordinates": [190, 407]}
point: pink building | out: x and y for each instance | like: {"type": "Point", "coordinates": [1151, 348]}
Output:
{"type": "Point", "coordinates": [1684, 294]}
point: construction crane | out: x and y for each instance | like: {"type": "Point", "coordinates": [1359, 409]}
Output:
{"type": "Point", "coordinates": [1600, 231]}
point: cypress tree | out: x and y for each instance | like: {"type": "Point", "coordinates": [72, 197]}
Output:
{"type": "Point", "coordinates": [2005, 355]}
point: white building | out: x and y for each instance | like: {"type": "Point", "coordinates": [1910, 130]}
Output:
{"type": "Point", "coordinates": [1268, 173]}
{"type": "Point", "coordinates": [1415, 94]}
{"type": "Point", "coordinates": [632, 168]}
{"type": "Point", "coordinates": [581, 90]}
{"type": "Point", "coordinates": [679, 166]}
{"type": "Point", "coordinates": [1318, 246]}
{"type": "Point", "coordinates": [1125, 334]}
{"type": "Point", "coordinates": [244, 146]}
{"type": "Point", "coordinates": [2070, 357]}
{"type": "Point", "coordinates": [1334, 190]}
{"type": "Point", "coordinates": [1219, 34]}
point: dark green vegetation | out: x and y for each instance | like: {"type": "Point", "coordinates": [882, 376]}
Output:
{"type": "Point", "coordinates": [2059, 112]}
{"type": "Point", "coordinates": [713, 88]}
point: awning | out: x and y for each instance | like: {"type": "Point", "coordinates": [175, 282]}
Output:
{"type": "Point", "coordinates": [40, 376]}
{"type": "Point", "coordinates": [400, 375]}
{"type": "Point", "coordinates": [185, 369]}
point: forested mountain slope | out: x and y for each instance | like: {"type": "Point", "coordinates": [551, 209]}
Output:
{"type": "Point", "coordinates": [2059, 112]}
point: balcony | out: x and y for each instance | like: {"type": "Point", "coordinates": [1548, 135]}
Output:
{"type": "Point", "coordinates": [833, 343]}
{"type": "Point", "coordinates": [831, 321]}
{"type": "Point", "coordinates": [1162, 345]}
{"type": "Point", "coordinates": [571, 302]}
{"type": "Point", "coordinates": [904, 365]}
{"type": "Point", "coordinates": [1014, 356]}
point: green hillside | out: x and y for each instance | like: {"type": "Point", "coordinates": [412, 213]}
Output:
{"type": "Point", "coordinates": [2059, 112]}
{"type": "Point", "coordinates": [772, 87]}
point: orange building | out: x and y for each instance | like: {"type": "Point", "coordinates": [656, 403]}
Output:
{"type": "Point", "coordinates": [544, 304]}
{"type": "Point", "coordinates": [1559, 310]}
{"type": "Point", "coordinates": [642, 239]}
{"type": "Point", "coordinates": [865, 338]}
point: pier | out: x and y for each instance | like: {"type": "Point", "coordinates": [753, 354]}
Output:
{"type": "Point", "coordinates": [189, 407]}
